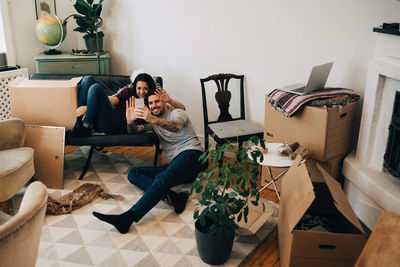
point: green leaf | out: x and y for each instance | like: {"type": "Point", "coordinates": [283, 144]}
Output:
{"type": "Point", "coordinates": [196, 214]}
{"type": "Point", "coordinates": [83, 8]}
{"type": "Point", "coordinates": [239, 217]}
{"type": "Point", "coordinates": [262, 143]}
{"type": "Point", "coordinates": [233, 194]}
{"type": "Point", "coordinates": [254, 202]}
{"type": "Point", "coordinates": [97, 9]}
{"type": "Point", "coordinates": [202, 221]}
{"type": "Point", "coordinates": [254, 139]}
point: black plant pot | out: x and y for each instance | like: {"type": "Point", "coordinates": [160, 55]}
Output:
{"type": "Point", "coordinates": [91, 44]}
{"type": "Point", "coordinates": [212, 249]}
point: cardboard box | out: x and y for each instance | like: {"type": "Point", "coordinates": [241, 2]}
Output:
{"type": "Point", "coordinates": [48, 143]}
{"type": "Point", "coordinates": [333, 167]}
{"type": "Point", "coordinates": [44, 102]}
{"type": "Point", "coordinates": [256, 218]}
{"type": "Point", "coordinates": [383, 246]}
{"type": "Point", "coordinates": [308, 188]}
{"type": "Point", "coordinates": [325, 132]}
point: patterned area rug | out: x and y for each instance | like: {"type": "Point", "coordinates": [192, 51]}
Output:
{"type": "Point", "coordinates": [161, 238]}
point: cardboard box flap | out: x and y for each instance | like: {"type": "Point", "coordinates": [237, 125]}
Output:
{"type": "Point", "coordinates": [16, 81]}
{"type": "Point", "coordinates": [297, 192]}
{"type": "Point", "coordinates": [256, 218]}
{"type": "Point", "coordinates": [340, 200]}
{"type": "Point", "coordinates": [26, 82]}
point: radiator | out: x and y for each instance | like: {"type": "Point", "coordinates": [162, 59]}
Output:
{"type": "Point", "coordinates": [5, 78]}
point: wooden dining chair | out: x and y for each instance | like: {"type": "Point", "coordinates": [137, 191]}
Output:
{"type": "Point", "coordinates": [227, 128]}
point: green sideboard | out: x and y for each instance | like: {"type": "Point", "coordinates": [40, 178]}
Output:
{"type": "Point", "coordinates": [67, 63]}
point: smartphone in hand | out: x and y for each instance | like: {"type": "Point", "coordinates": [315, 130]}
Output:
{"type": "Point", "coordinates": [139, 102]}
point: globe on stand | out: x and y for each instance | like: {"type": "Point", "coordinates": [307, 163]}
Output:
{"type": "Point", "coordinates": [51, 32]}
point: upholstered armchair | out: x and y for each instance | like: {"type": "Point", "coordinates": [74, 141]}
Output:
{"type": "Point", "coordinates": [20, 234]}
{"type": "Point", "coordinates": [16, 161]}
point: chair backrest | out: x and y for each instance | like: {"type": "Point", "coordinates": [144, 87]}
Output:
{"type": "Point", "coordinates": [12, 133]}
{"type": "Point", "coordinates": [20, 235]}
{"type": "Point", "coordinates": [223, 96]}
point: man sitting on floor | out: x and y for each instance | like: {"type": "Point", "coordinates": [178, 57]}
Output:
{"type": "Point", "coordinates": [182, 148]}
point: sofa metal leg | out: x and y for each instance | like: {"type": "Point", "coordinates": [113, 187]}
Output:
{"type": "Point", "coordinates": [87, 163]}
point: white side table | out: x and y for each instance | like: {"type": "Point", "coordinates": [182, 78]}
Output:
{"type": "Point", "coordinates": [273, 159]}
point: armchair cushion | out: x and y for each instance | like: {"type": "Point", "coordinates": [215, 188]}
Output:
{"type": "Point", "coordinates": [16, 162]}
{"type": "Point", "coordinates": [16, 168]}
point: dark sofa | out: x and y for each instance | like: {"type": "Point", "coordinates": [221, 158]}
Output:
{"type": "Point", "coordinates": [111, 83]}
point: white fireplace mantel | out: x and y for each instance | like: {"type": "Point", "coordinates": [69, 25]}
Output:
{"type": "Point", "coordinates": [368, 187]}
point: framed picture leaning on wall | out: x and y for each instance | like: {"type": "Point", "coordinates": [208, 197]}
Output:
{"type": "Point", "coordinates": [43, 7]}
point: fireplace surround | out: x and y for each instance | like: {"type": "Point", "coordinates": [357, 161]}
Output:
{"type": "Point", "coordinates": [392, 155]}
{"type": "Point", "coordinates": [368, 186]}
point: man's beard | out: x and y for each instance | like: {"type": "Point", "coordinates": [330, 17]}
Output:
{"type": "Point", "coordinates": [161, 112]}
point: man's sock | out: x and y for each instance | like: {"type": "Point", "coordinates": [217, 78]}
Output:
{"type": "Point", "coordinates": [178, 200]}
{"type": "Point", "coordinates": [122, 221]}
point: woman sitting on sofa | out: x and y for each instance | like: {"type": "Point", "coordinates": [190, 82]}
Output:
{"type": "Point", "coordinates": [98, 113]}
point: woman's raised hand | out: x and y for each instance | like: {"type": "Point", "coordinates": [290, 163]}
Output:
{"type": "Point", "coordinates": [163, 95]}
{"type": "Point", "coordinates": [130, 110]}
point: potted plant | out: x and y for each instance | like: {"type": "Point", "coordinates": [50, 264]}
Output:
{"type": "Point", "coordinates": [223, 200]}
{"type": "Point", "coordinates": [89, 21]}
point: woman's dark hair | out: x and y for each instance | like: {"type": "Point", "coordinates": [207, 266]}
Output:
{"type": "Point", "coordinates": [144, 77]}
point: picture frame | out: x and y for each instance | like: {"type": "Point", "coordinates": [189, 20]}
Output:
{"type": "Point", "coordinates": [43, 7]}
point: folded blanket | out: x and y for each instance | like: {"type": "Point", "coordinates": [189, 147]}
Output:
{"type": "Point", "coordinates": [289, 103]}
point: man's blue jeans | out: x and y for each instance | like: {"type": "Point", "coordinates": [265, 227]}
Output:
{"type": "Point", "coordinates": [100, 114]}
{"type": "Point", "coordinates": [157, 180]}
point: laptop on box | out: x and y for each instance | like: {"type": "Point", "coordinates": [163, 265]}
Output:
{"type": "Point", "coordinates": [316, 81]}
{"type": "Point", "coordinates": [45, 102]}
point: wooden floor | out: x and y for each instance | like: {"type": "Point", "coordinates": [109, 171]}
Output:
{"type": "Point", "coordinates": [267, 254]}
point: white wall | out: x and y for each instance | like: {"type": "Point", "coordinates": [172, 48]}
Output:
{"type": "Point", "coordinates": [271, 42]}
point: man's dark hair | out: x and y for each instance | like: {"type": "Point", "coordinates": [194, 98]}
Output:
{"type": "Point", "coordinates": [149, 93]}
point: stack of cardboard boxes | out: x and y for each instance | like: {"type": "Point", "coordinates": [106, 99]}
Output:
{"type": "Point", "coordinates": [309, 188]}
{"type": "Point", "coordinates": [326, 132]}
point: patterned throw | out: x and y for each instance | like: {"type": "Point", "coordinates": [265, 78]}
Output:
{"type": "Point", "coordinates": [289, 103]}
{"type": "Point", "coordinates": [79, 197]}
{"type": "Point", "coordinates": [161, 238]}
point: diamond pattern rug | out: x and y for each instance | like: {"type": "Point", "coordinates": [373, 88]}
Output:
{"type": "Point", "coordinates": [161, 238]}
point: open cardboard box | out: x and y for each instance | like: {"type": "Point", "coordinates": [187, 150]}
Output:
{"type": "Point", "coordinates": [44, 102]}
{"type": "Point", "coordinates": [326, 132]}
{"type": "Point", "coordinates": [308, 188]}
